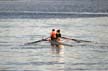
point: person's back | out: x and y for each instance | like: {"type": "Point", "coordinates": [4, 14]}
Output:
{"type": "Point", "coordinates": [59, 46]}
{"type": "Point", "coordinates": [53, 39]}
{"type": "Point", "coordinates": [53, 34]}
{"type": "Point", "coordinates": [58, 34]}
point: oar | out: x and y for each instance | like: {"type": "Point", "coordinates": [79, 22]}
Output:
{"type": "Point", "coordinates": [45, 39]}
{"type": "Point", "coordinates": [76, 40]}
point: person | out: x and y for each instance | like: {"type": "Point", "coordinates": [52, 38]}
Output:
{"type": "Point", "coordinates": [53, 39]}
{"type": "Point", "coordinates": [59, 41]}
{"type": "Point", "coordinates": [53, 34]}
{"type": "Point", "coordinates": [58, 34]}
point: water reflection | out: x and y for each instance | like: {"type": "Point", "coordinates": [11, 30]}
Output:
{"type": "Point", "coordinates": [56, 60]}
{"type": "Point", "coordinates": [57, 50]}
{"type": "Point", "coordinates": [59, 63]}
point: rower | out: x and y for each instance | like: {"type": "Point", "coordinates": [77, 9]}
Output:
{"type": "Point", "coordinates": [59, 47]}
{"type": "Point", "coordinates": [58, 34]}
{"type": "Point", "coordinates": [53, 39]}
{"type": "Point", "coordinates": [53, 34]}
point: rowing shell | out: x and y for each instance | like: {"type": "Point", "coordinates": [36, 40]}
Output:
{"type": "Point", "coordinates": [59, 47]}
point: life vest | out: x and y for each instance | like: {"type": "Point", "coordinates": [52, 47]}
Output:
{"type": "Point", "coordinates": [53, 35]}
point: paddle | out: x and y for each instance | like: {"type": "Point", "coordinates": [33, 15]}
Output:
{"type": "Point", "coordinates": [45, 39]}
{"type": "Point", "coordinates": [76, 40]}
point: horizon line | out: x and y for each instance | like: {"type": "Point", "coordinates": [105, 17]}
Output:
{"type": "Point", "coordinates": [40, 12]}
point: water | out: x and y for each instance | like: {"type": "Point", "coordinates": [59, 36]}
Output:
{"type": "Point", "coordinates": [23, 21]}
{"type": "Point", "coordinates": [92, 56]}
{"type": "Point", "coordinates": [52, 8]}
{"type": "Point", "coordinates": [54, 5]}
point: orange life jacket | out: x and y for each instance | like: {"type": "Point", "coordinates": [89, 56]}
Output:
{"type": "Point", "coordinates": [53, 35]}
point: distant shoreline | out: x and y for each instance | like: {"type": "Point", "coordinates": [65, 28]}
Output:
{"type": "Point", "coordinates": [35, 15]}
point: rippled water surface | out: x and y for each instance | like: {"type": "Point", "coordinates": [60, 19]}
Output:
{"type": "Point", "coordinates": [84, 56]}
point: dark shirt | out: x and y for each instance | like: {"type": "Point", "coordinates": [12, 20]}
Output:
{"type": "Point", "coordinates": [58, 35]}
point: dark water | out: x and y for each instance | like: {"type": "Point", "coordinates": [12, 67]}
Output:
{"type": "Point", "coordinates": [53, 8]}
{"type": "Point", "coordinates": [43, 15]}
{"type": "Point", "coordinates": [54, 5]}
{"type": "Point", "coordinates": [92, 56]}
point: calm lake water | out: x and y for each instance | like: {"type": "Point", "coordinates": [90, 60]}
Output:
{"type": "Point", "coordinates": [91, 56]}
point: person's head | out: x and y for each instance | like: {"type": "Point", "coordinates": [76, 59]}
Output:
{"type": "Point", "coordinates": [58, 30]}
{"type": "Point", "coordinates": [53, 29]}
